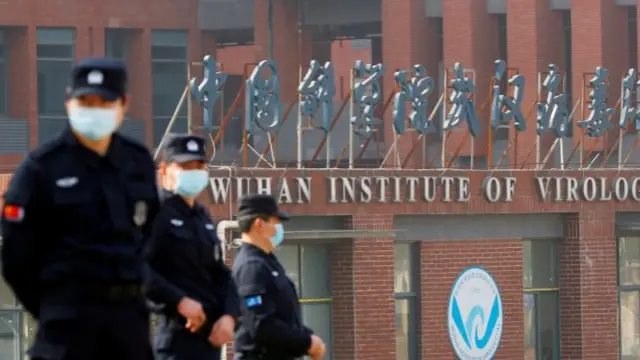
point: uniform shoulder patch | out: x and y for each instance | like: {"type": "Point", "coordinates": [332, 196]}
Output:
{"type": "Point", "coordinates": [13, 213]}
{"type": "Point", "coordinates": [253, 301]}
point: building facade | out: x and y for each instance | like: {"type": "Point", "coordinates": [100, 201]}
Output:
{"type": "Point", "coordinates": [376, 245]}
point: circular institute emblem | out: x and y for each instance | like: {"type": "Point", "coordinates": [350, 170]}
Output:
{"type": "Point", "coordinates": [474, 317]}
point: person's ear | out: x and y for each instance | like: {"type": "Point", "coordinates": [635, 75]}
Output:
{"type": "Point", "coordinates": [162, 168]}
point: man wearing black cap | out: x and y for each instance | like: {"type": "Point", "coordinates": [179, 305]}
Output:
{"type": "Point", "coordinates": [190, 280]}
{"type": "Point", "coordinates": [75, 218]}
{"type": "Point", "coordinates": [270, 326]}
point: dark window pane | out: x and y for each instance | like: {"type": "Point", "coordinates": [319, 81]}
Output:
{"type": "Point", "coordinates": [160, 126]}
{"type": "Point", "coordinates": [629, 325]}
{"type": "Point", "coordinates": [168, 52]}
{"type": "Point", "coordinates": [53, 79]}
{"type": "Point", "coordinates": [318, 318]}
{"type": "Point", "coordinates": [548, 325]}
{"type": "Point", "coordinates": [403, 276]}
{"type": "Point", "coordinates": [117, 43]}
{"type": "Point", "coordinates": [540, 264]}
{"type": "Point", "coordinates": [3, 87]}
{"type": "Point", "coordinates": [629, 260]}
{"type": "Point", "coordinates": [530, 343]}
{"type": "Point", "coordinates": [55, 51]}
{"type": "Point", "coordinates": [10, 334]}
{"type": "Point", "coordinates": [315, 266]}
{"type": "Point", "coordinates": [404, 328]}
{"type": "Point", "coordinates": [169, 81]}
{"type": "Point", "coordinates": [290, 260]}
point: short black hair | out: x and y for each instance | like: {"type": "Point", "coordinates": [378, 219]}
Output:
{"type": "Point", "coordinates": [245, 223]}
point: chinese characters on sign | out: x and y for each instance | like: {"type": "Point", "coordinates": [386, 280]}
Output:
{"type": "Point", "coordinates": [415, 91]}
{"type": "Point", "coordinates": [598, 120]}
{"type": "Point", "coordinates": [317, 90]}
{"type": "Point", "coordinates": [262, 93]}
{"type": "Point", "coordinates": [512, 103]}
{"type": "Point", "coordinates": [463, 107]}
{"type": "Point", "coordinates": [366, 95]}
{"type": "Point", "coordinates": [553, 114]}
{"type": "Point", "coordinates": [400, 189]}
{"type": "Point", "coordinates": [208, 91]}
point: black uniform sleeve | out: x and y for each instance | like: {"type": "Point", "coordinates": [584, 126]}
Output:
{"type": "Point", "coordinates": [157, 288]}
{"type": "Point", "coordinates": [259, 311]}
{"type": "Point", "coordinates": [22, 250]}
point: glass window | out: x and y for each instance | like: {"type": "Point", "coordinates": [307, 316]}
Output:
{"type": "Point", "coordinates": [629, 296]}
{"type": "Point", "coordinates": [541, 300]}
{"type": "Point", "coordinates": [56, 55]}
{"type": "Point", "coordinates": [315, 283]}
{"type": "Point", "coordinates": [630, 325]}
{"type": "Point", "coordinates": [540, 264]}
{"type": "Point", "coordinates": [406, 267]}
{"type": "Point", "coordinates": [290, 260]}
{"type": "Point", "coordinates": [116, 43]}
{"type": "Point", "coordinates": [317, 316]}
{"type": "Point", "coordinates": [629, 261]}
{"type": "Point", "coordinates": [10, 335]}
{"type": "Point", "coordinates": [402, 264]}
{"type": "Point", "coordinates": [169, 81]}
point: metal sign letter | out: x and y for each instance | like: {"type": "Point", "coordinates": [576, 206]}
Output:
{"type": "Point", "coordinates": [629, 111]}
{"type": "Point", "coordinates": [208, 91]}
{"type": "Point", "coordinates": [513, 104]}
{"type": "Point", "coordinates": [463, 108]}
{"type": "Point", "coordinates": [553, 113]}
{"type": "Point", "coordinates": [366, 95]}
{"type": "Point", "coordinates": [262, 99]}
{"type": "Point", "coordinates": [317, 89]}
{"type": "Point", "coordinates": [417, 91]}
{"type": "Point", "coordinates": [598, 120]}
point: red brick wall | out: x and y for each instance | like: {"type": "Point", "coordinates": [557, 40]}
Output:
{"type": "Point", "coordinates": [442, 262]}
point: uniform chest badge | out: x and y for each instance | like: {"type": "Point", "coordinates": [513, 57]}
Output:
{"type": "Point", "coordinates": [140, 213]}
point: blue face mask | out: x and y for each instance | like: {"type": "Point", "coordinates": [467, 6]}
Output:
{"type": "Point", "coordinates": [190, 183]}
{"type": "Point", "coordinates": [93, 123]}
{"type": "Point", "coordinates": [278, 238]}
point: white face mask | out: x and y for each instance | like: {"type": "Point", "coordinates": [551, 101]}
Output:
{"type": "Point", "coordinates": [93, 123]}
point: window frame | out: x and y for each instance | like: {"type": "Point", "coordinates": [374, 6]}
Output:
{"type": "Point", "coordinates": [413, 297]}
{"type": "Point", "coordinates": [109, 45]}
{"type": "Point", "coordinates": [535, 291]}
{"type": "Point", "coordinates": [623, 288]}
{"type": "Point", "coordinates": [71, 60]}
{"type": "Point", "coordinates": [4, 72]}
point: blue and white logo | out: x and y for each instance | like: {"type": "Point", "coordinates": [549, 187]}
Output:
{"type": "Point", "coordinates": [474, 318]}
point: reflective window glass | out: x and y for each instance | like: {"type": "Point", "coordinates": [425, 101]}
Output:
{"type": "Point", "coordinates": [530, 344]}
{"type": "Point", "coordinates": [10, 335]}
{"type": "Point", "coordinates": [53, 80]}
{"type": "Point", "coordinates": [317, 316]}
{"type": "Point", "coordinates": [630, 325]}
{"type": "Point", "coordinates": [316, 271]}
{"type": "Point", "coordinates": [169, 81]}
{"type": "Point", "coordinates": [403, 329]}
{"type": "Point", "coordinates": [629, 260]}
{"type": "Point", "coordinates": [540, 264]}
{"type": "Point", "coordinates": [548, 325]}
{"type": "Point", "coordinates": [403, 278]}
{"type": "Point", "coordinates": [290, 259]}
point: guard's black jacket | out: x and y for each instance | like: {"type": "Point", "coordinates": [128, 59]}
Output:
{"type": "Point", "coordinates": [73, 219]}
{"type": "Point", "coordinates": [186, 259]}
{"type": "Point", "coordinates": [270, 325]}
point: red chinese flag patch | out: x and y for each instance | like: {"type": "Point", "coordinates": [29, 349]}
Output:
{"type": "Point", "coordinates": [13, 213]}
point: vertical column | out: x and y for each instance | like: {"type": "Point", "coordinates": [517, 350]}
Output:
{"type": "Point", "coordinates": [535, 40]}
{"type": "Point", "coordinates": [97, 41]}
{"type": "Point", "coordinates": [285, 43]}
{"type": "Point", "coordinates": [140, 82]}
{"type": "Point", "coordinates": [599, 37]}
{"type": "Point", "coordinates": [84, 42]}
{"type": "Point", "coordinates": [470, 37]}
{"type": "Point", "coordinates": [22, 78]}
{"type": "Point", "coordinates": [588, 273]}
{"type": "Point", "coordinates": [342, 307]}
{"type": "Point", "coordinates": [408, 38]}
{"type": "Point", "coordinates": [373, 269]}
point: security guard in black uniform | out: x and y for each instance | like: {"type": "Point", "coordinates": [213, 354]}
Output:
{"type": "Point", "coordinates": [75, 219]}
{"type": "Point", "coordinates": [270, 326]}
{"type": "Point", "coordinates": [191, 281]}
